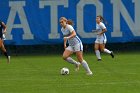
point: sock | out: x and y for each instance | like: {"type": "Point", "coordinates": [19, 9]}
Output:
{"type": "Point", "coordinates": [85, 65]}
{"type": "Point", "coordinates": [72, 61]}
{"type": "Point", "coordinates": [98, 54]}
{"type": "Point", "coordinates": [5, 53]}
{"type": "Point", "coordinates": [107, 51]}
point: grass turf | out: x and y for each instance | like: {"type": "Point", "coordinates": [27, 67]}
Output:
{"type": "Point", "coordinates": [41, 74]}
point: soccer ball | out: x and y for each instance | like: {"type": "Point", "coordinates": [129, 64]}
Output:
{"type": "Point", "coordinates": [64, 71]}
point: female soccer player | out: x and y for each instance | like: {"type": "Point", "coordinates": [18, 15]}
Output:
{"type": "Point", "coordinates": [101, 38]}
{"type": "Point", "coordinates": [75, 45]}
{"type": "Point", "coordinates": [2, 32]}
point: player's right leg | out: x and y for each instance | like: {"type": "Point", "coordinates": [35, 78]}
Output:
{"type": "Point", "coordinates": [97, 52]}
{"type": "Point", "coordinates": [66, 56]}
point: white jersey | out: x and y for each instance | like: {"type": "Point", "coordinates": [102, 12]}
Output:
{"type": "Point", "coordinates": [101, 38]}
{"type": "Point", "coordinates": [99, 28]}
{"type": "Point", "coordinates": [67, 32]}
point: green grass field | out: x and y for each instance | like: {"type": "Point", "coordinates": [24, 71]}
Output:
{"type": "Point", "coordinates": [41, 74]}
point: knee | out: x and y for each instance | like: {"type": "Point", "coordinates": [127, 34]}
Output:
{"type": "Point", "coordinates": [102, 49]}
{"type": "Point", "coordinates": [64, 57]}
{"type": "Point", "coordinates": [3, 48]}
{"type": "Point", "coordinates": [80, 59]}
{"type": "Point", "coordinates": [96, 48]}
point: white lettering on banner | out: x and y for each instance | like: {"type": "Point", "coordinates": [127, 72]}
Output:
{"type": "Point", "coordinates": [54, 15]}
{"type": "Point", "coordinates": [17, 7]}
{"type": "Point", "coordinates": [80, 22]}
{"type": "Point", "coordinates": [136, 31]}
{"type": "Point", "coordinates": [118, 7]}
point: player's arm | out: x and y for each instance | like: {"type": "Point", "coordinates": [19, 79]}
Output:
{"type": "Point", "coordinates": [73, 34]}
{"type": "Point", "coordinates": [4, 28]}
{"type": "Point", "coordinates": [65, 43]}
{"type": "Point", "coordinates": [103, 29]}
{"type": "Point", "coordinates": [72, 31]}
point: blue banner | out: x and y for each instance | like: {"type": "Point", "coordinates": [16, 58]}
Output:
{"type": "Point", "coordinates": [31, 22]}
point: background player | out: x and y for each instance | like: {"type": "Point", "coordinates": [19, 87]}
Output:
{"type": "Point", "coordinates": [2, 32]}
{"type": "Point", "coordinates": [101, 38]}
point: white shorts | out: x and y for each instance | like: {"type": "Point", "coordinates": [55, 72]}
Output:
{"type": "Point", "coordinates": [75, 48]}
{"type": "Point", "coordinates": [101, 41]}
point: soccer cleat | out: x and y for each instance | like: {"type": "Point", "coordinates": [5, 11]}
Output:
{"type": "Point", "coordinates": [77, 66]}
{"type": "Point", "coordinates": [89, 73]}
{"type": "Point", "coordinates": [99, 60]}
{"type": "Point", "coordinates": [112, 55]}
{"type": "Point", "coordinates": [8, 60]}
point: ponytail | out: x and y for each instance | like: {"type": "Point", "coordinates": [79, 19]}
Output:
{"type": "Point", "coordinates": [70, 22]}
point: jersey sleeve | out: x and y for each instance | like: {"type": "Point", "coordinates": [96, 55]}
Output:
{"type": "Point", "coordinates": [102, 26]}
{"type": "Point", "coordinates": [70, 28]}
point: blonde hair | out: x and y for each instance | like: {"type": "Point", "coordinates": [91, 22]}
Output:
{"type": "Point", "coordinates": [68, 21]}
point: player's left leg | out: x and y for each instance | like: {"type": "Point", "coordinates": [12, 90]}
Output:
{"type": "Point", "coordinates": [79, 54]}
{"type": "Point", "coordinates": [103, 49]}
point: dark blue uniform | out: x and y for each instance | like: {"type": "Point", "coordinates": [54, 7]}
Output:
{"type": "Point", "coordinates": [1, 37]}
{"type": "Point", "coordinates": [1, 28]}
